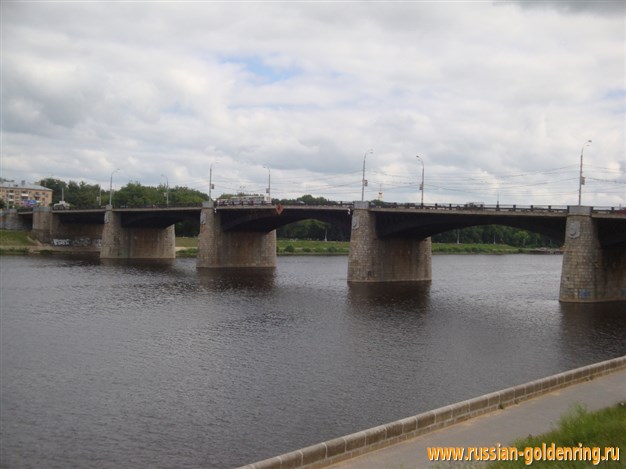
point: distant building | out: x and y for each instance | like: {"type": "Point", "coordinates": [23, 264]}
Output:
{"type": "Point", "coordinates": [24, 194]}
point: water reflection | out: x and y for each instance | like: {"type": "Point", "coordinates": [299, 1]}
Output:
{"type": "Point", "coordinates": [259, 278]}
{"type": "Point", "coordinates": [591, 330]}
{"type": "Point", "coordinates": [142, 264]}
{"type": "Point", "coordinates": [391, 296]}
{"type": "Point", "coordinates": [99, 351]}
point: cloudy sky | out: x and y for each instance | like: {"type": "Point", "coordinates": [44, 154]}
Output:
{"type": "Point", "coordinates": [497, 97]}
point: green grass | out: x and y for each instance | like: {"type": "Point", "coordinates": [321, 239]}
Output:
{"type": "Point", "coordinates": [603, 429]}
{"type": "Point", "coordinates": [189, 252]}
{"type": "Point", "coordinates": [186, 242]}
{"type": "Point", "coordinates": [308, 247]}
{"type": "Point", "coordinates": [15, 238]}
{"type": "Point", "coordinates": [10, 240]}
{"type": "Point", "coordinates": [311, 247]}
{"type": "Point", "coordinates": [453, 248]}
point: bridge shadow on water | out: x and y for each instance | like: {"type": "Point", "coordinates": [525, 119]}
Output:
{"type": "Point", "coordinates": [593, 329]}
{"type": "Point", "coordinates": [389, 299]}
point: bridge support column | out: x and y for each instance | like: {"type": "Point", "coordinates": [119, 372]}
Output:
{"type": "Point", "coordinates": [119, 242]}
{"type": "Point", "coordinates": [42, 224]}
{"type": "Point", "coordinates": [218, 248]}
{"type": "Point", "coordinates": [385, 260]}
{"type": "Point", "coordinates": [590, 272]}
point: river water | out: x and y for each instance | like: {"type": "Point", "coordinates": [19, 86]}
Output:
{"type": "Point", "coordinates": [113, 364]}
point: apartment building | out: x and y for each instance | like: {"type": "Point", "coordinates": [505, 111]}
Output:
{"type": "Point", "coordinates": [24, 194]}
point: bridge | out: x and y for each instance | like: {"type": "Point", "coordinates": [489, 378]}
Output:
{"type": "Point", "coordinates": [388, 242]}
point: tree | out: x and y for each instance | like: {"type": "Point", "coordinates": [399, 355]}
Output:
{"type": "Point", "coordinates": [494, 234]}
{"type": "Point", "coordinates": [57, 187]}
{"type": "Point", "coordinates": [134, 194]}
{"type": "Point", "coordinates": [82, 195]}
{"type": "Point", "coordinates": [185, 196]}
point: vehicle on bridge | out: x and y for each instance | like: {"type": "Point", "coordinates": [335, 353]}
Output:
{"type": "Point", "coordinates": [61, 205]}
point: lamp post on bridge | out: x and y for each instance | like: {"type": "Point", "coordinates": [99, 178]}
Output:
{"type": "Point", "coordinates": [111, 187]}
{"type": "Point", "coordinates": [581, 180]}
{"type": "Point", "coordinates": [422, 184]}
{"type": "Point", "coordinates": [167, 190]}
{"type": "Point", "coordinates": [269, 183]}
{"type": "Point", "coordinates": [363, 181]}
{"type": "Point", "coordinates": [210, 179]}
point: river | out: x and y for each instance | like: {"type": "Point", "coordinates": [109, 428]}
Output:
{"type": "Point", "coordinates": [130, 364]}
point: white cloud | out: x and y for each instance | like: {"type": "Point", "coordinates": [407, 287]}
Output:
{"type": "Point", "coordinates": [482, 91]}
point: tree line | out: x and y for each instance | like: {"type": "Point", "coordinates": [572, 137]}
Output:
{"type": "Point", "coordinates": [133, 194]}
{"type": "Point", "coordinates": [84, 195]}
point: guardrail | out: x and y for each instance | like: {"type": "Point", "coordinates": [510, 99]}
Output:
{"type": "Point", "coordinates": [497, 207]}
{"type": "Point", "coordinates": [479, 207]}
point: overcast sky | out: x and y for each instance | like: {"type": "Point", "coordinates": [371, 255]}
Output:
{"type": "Point", "coordinates": [498, 98]}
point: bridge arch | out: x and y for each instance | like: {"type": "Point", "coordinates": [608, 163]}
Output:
{"type": "Point", "coordinates": [274, 217]}
{"type": "Point", "coordinates": [424, 225]}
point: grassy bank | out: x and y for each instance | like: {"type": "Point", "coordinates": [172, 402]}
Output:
{"type": "Point", "coordinates": [453, 248]}
{"type": "Point", "coordinates": [15, 242]}
{"type": "Point", "coordinates": [311, 247]}
{"type": "Point", "coordinates": [9, 238]}
{"type": "Point", "coordinates": [307, 247]}
{"type": "Point", "coordinates": [603, 429]}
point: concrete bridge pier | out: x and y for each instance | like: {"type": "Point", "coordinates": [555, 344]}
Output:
{"type": "Point", "coordinates": [119, 242]}
{"type": "Point", "coordinates": [42, 223]}
{"type": "Point", "coordinates": [591, 273]}
{"type": "Point", "coordinates": [219, 249]}
{"type": "Point", "coordinates": [394, 259]}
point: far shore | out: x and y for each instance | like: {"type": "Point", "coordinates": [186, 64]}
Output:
{"type": "Point", "coordinates": [20, 242]}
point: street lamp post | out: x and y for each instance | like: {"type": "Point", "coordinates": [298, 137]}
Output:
{"type": "Point", "coordinates": [210, 179]}
{"type": "Point", "coordinates": [269, 183]}
{"type": "Point", "coordinates": [581, 180]}
{"type": "Point", "coordinates": [422, 184]}
{"type": "Point", "coordinates": [370, 151]}
{"type": "Point", "coordinates": [167, 190]}
{"type": "Point", "coordinates": [111, 187]}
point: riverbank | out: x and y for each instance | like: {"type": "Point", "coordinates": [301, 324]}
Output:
{"type": "Point", "coordinates": [20, 242]}
{"type": "Point", "coordinates": [297, 247]}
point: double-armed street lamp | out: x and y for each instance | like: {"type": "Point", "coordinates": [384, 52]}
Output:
{"type": "Point", "coordinates": [167, 190]}
{"type": "Point", "coordinates": [581, 180]}
{"type": "Point", "coordinates": [422, 184]}
{"type": "Point", "coordinates": [363, 181]}
{"type": "Point", "coordinates": [111, 187]}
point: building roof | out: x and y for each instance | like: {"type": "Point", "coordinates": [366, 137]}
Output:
{"type": "Point", "coordinates": [22, 185]}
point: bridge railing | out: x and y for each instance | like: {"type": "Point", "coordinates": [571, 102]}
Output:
{"type": "Point", "coordinates": [241, 203]}
{"type": "Point", "coordinates": [473, 206]}
{"type": "Point", "coordinates": [615, 210]}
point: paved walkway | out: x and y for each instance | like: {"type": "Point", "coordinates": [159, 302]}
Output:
{"type": "Point", "coordinates": [534, 416]}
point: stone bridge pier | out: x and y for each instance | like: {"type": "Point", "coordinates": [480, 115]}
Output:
{"type": "Point", "coordinates": [591, 271]}
{"type": "Point", "coordinates": [393, 259]}
{"type": "Point", "coordinates": [120, 242]}
{"type": "Point", "coordinates": [218, 248]}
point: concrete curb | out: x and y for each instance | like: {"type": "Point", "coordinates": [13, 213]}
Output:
{"type": "Point", "coordinates": [355, 444]}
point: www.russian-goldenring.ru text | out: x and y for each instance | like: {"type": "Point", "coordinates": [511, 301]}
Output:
{"type": "Point", "coordinates": [546, 452]}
